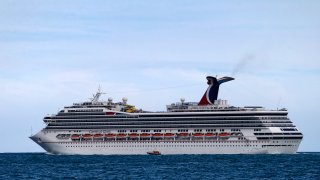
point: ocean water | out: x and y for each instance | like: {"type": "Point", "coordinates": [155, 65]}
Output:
{"type": "Point", "coordinates": [45, 166]}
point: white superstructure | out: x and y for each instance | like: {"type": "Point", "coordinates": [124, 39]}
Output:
{"type": "Point", "coordinates": [208, 127]}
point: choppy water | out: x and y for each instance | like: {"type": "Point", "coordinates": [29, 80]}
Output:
{"type": "Point", "coordinates": [44, 166]}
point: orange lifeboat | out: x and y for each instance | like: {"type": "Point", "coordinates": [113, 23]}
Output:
{"type": "Point", "coordinates": [121, 136]}
{"type": "Point", "coordinates": [169, 135]}
{"type": "Point", "coordinates": [97, 136]}
{"type": "Point", "coordinates": [224, 135]}
{"type": "Point", "coordinates": [75, 136]}
{"type": "Point", "coordinates": [110, 135]}
{"type": "Point", "coordinates": [87, 136]}
{"type": "Point", "coordinates": [198, 135]}
{"type": "Point", "coordinates": [210, 135]}
{"type": "Point", "coordinates": [158, 135]}
{"type": "Point", "coordinates": [145, 135]}
{"type": "Point", "coordinates": [183, 134]}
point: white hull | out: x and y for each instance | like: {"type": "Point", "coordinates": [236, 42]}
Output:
{"type": "Point", "coordinates": [171, 147]}
{"type": "Point", "coordinates": [232, 145]}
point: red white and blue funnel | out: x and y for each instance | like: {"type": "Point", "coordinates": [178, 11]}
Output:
{"type": "Point", "coordinates": [212, 92]}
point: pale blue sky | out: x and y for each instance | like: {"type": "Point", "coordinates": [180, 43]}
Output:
{"type": "Point", "coordinates": [54, 53]}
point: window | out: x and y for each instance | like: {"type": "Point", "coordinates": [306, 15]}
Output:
{"type": "Point", "coordinates": [182, 130]}
{"type": "Point", "coordinates": [210, 130]}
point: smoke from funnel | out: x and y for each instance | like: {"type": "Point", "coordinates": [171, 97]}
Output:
{"type": "Point", "coordinates": [242, 64]}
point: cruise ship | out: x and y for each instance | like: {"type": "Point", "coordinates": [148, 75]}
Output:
{"type": "Point", "coordinates": [210, 126]}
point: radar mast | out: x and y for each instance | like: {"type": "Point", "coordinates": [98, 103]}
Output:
{"type": "Point", "coordinates": [96, 96]}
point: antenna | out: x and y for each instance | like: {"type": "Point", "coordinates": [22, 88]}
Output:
{"type": "Point", "coordinates": [279, 101]}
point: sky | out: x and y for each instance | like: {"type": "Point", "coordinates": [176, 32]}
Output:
{"type": "Point", "coordinates": [55, 53]}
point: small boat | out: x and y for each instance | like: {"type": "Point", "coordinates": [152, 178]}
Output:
{"type": "Point", "coordinates": [158, 135]}
{"type": "Point", "coordinates": [154, 153]}
{"type": "Point", "coordinates": [183, 134]}
{"type": "Point", "coordinates": [198, 135]}
{"type": "Point", "coordinates": [210, 135]}
{"type": "Point", "coordinates": [169, 135]}
{"type": "Point", "coordinates": [224, 135]}
{"type": "Point", "coordinates": [121, 135]}
{"type": "Point", "coordinates": [134, 135]}
{"type": "Point", "coordinates": [75, 136]}
{"type": "Point", "coordinates": [98, 136]}
{"type": "Point", "coordinates": [236, 134]}
{"type": "Point", "coordinates": [87, 136]}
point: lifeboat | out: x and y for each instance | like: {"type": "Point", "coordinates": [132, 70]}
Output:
{"type": "Point", "coordinates": [110, 135]}
{"type": "Point", "coordinates": [121, 136]}
{"type": "Point", "coordinates": [145, 135]}
{"type": "Point", "coordinates": [210, 135]}
{"type": "Point", "coordinates": [224, 135]}
{"type": "Point", "coordinates": [75, 136]}
{"type": "Point", "coordinates": [236, 134]}
{"type": "Point", "coordinates": [183, 134]}
{"type": "Point", "coordinates": [240, 134]}
{"type": "Point", "coordinates": [87, 136]}
{"type": "Point", "coordinates": [134, 135]}
{"type": "Point", "coordinates": [157, 135]}
{"type": "Point", "coordinates": [97, 136]}
{"type": "Point", "coordinates": [169, 135]}
{"type": "Point", "coordinates": [198, 135]}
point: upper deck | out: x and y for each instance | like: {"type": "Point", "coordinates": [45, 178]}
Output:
{"type": "Point", "coordinates": [208, 103]}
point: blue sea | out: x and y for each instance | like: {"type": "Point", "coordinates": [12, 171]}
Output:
{"type": "Point", "coordinates": [45, 166]}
